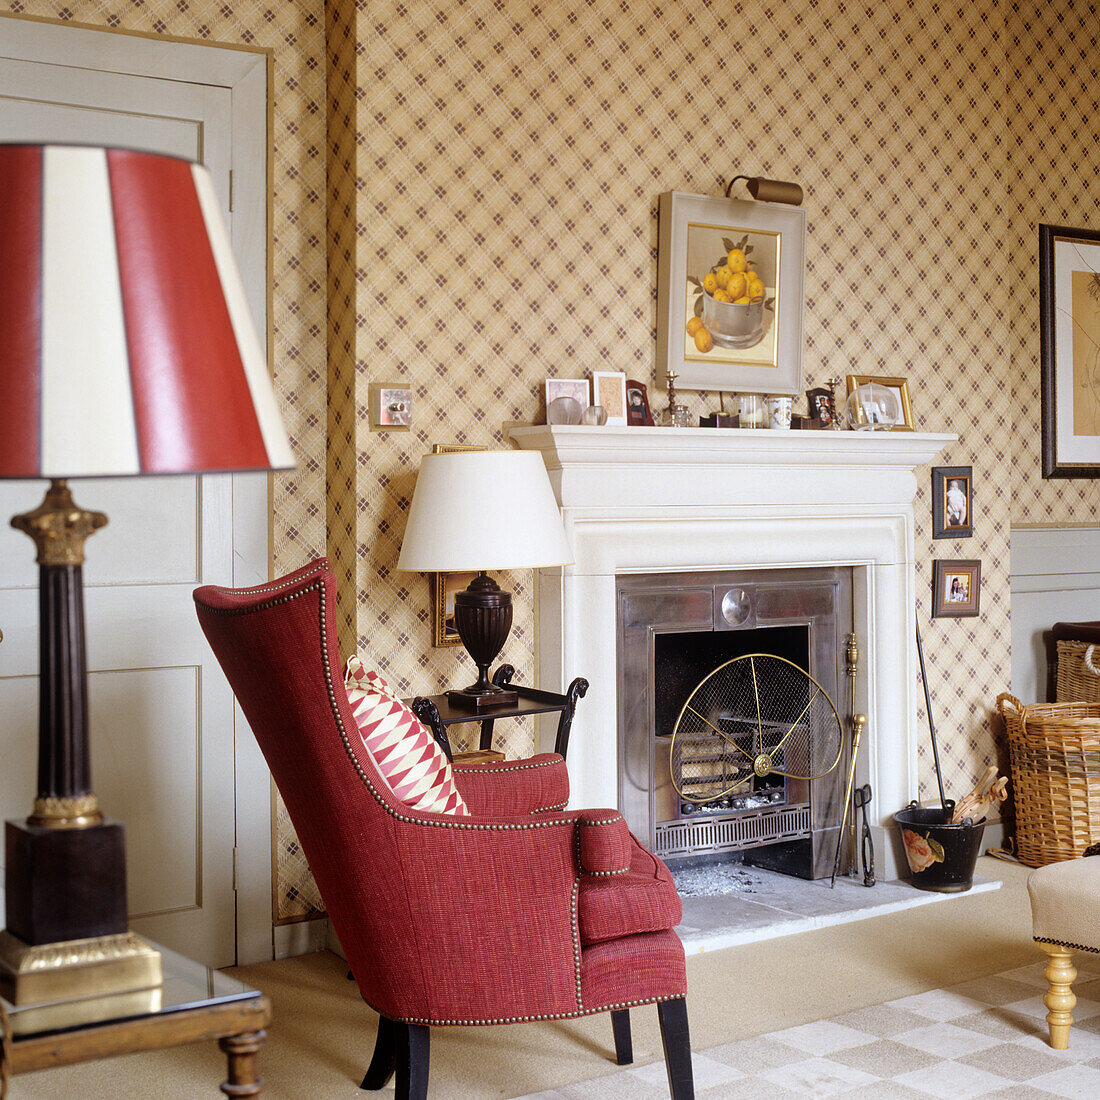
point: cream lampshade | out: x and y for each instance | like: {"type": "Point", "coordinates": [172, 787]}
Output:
{"type": "Point", "coordinates": [478, 510]}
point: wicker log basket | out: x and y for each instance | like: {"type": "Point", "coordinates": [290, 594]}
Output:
{"type": "Point", "coordinates": [1055, 754]}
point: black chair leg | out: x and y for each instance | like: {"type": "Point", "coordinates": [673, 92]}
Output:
{"type": "Point", "coordinates": [620, 1025]}
{"type": "Point", "coordinates": [384, 1060]}
{"type": "Point", "coordinates": [413, 1043]}
{"type": "Point", "coordinates": [677, 1043]}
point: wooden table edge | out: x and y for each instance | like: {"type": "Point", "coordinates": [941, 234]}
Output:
{"type": "Point", "coordinates": [114, 1037]}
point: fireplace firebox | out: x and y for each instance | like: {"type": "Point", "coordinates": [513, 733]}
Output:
{"type": "Point", "coordinates": [676, 628]}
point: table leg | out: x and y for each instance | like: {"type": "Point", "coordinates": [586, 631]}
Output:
{"type": "Point", "coordinates": [241, 1052]}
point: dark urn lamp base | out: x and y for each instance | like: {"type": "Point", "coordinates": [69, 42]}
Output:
{"type": "Point", "coordinates": [483, 618]}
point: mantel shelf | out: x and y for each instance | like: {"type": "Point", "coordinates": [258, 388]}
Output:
{"type": "Point", "coordinates": [633, 446]}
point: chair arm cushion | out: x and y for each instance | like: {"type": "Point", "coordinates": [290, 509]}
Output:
{"type": "Point", "coordinates": [510, 788]}
{"type": "Point", "coordinates": [604, 843]}
{"type": "Point", "coordinates": [1063, 903]}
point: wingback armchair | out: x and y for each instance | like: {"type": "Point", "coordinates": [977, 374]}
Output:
{"type": "Point", "coordinates": [506, 909]}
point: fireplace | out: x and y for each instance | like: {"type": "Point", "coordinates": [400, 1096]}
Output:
{"type": "Point", "coordinates": [642, 502]}
{"type": "Point", "coordinates": [673, 630]}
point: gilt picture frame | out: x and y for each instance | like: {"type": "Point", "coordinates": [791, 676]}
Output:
{"type": "Point", "coordinates": [1069, 351]}
{"type": "Point", "coordinates": [750, 341]}
{"type": "Point", "coordinates": [444, 587]}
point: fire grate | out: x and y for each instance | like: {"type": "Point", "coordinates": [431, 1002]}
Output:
{"type": "Point", "coordinates": [732, 834]}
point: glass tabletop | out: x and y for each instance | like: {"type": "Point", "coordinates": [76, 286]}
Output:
{"type": "Point", "coordinates": [187, 984]}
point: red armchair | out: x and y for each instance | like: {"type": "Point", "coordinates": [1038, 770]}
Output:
{"type": "Point", "coordinates": [521, 911]}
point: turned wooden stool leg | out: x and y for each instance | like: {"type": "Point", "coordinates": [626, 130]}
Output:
{"type": "Point", "coordinates": [241, 1052]}
{"type": "Point", "coordinates": [1060, 973]}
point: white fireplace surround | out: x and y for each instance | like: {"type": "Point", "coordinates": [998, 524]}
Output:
{"type": "Point", "coordinates": [657, 500]}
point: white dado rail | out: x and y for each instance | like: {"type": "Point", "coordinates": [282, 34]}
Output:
{"type": "Point", "coordinates": [668, 500]}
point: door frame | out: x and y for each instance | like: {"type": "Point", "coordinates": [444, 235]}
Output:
{"type": "Point", "coordinates": [246, 73]}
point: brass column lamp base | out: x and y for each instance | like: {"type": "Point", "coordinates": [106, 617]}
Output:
{"type": "Point", "coordinates": [65, 866]}
{"type": "Point", "coordinates": [76, 969]}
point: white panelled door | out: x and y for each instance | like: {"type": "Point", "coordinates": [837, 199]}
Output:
{"type": "Point", "coordinates": [163, 724]}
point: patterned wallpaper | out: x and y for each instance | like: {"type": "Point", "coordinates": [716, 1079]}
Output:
{"type": "Point", "coordinates": [514, 155]}
{"type": "Point", "coordinates": [493, 172]}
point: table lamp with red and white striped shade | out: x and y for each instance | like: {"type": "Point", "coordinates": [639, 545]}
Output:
{"type": "Point", "coordinates": [126, 348]}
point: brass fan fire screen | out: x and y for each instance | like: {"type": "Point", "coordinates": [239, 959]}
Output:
{"type": "Point", "coordinates": [751, 717]}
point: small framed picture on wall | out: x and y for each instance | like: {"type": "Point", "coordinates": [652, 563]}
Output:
{"type": "Point", "coordinates": [956, 589]}
{"type": "Point", "coordinates": [444, 587]}
{"type": "Point", "coordinates": [952, 502]}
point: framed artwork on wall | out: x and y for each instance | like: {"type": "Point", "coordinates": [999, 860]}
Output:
{"type": "Point", "coordinates": [444, 587]}
{"type": "Point", "coordinates": [956, 589]}
{"type": "Point", "coordinates": [730, 279]}
{"type": "Point", "coordinates": [1069, 350]}
{"type": "Point", "coordinates": [952, 502]}
{"type": "Point", "coordinates": [390, 406]}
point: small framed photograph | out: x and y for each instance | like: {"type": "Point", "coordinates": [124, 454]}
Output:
{"type": "Point", "coordinates": [637, 404]}
{"type": "Point", "coordinates": [822, 407]}
{"type": "Point", "coordinates": [956, 589]}
{"type": "Point", "coordinates": [952, 502]}
{"type": "Point", "coordinates": [444, 587]}
{"type": "Point", "coordinates": [576, 388]}
{"type": "Point", "coordinates": [1069, 350]}
{"type": "Point", "coordinates": [609, 391]}
{"type": "Point", "coordinates": [891, 405]}
{"type": "Point", "coordinates": [390, 406]}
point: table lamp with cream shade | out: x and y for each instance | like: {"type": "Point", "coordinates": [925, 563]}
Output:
{"type": "Point", "coordinates": [473, 511]}
{"type": "Point", "coordinates": [126, 349]}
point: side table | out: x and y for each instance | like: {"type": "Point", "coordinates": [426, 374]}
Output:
{"type": "Point", "coordinates": [437, 712]}
{"type": "Point", "coordinates": [194, 1003]}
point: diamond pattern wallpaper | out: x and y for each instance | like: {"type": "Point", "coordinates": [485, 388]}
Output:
{"type": "Point", "coordinates": [490, 169]}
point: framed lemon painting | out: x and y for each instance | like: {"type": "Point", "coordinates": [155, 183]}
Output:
{"type": "Point", "coordinates": [729, 293]}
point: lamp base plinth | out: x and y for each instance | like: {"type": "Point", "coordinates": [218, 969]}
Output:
{"type": "Point", "coordinates": [64, 884]}
{"type": "Point", "coordinates": [474, 698]}
{"type": "Point", "coordinates": [73, 970]}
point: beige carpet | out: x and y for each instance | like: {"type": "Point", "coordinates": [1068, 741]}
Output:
{"type": "Point", "coordinates": [322, 1037]}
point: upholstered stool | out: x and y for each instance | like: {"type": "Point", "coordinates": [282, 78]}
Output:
{"type": "Point", "coordinates": [1065, 918]}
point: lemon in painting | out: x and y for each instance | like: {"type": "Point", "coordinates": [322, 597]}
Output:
{"type": "Point", "coordinates": [735, 288]}
{"type": "Point", "coordinates": [703, 342]}
{"type": "Point", "coordinates": [723, 274]}
{"type": "Point", "coordinates": [736, 260]}
{"type": "Point", "coordinates": [710, 282]}
{"type": "Point", "coordinates": [694, 325]}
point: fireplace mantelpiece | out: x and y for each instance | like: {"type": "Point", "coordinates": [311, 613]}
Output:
{"type": "Point", "coordinates": [649, 500]}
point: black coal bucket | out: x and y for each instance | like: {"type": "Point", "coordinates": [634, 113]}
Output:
{"type": "Point", "coordinates": [941, 855]}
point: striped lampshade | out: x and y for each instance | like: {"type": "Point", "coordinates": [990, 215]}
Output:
{"type": "Point", "coordinates": [126, 343]}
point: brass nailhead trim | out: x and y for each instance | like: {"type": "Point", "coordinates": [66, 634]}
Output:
{"type": "Point", "coordinates": [533, 1018]}
{"type": "Point", "coordinates": [1071, 946]}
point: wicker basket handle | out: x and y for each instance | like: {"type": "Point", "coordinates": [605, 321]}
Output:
{"type": "Point", "coordinates": [1088, 661]}
{"type": "Point", "coordinates": [1006, 697]}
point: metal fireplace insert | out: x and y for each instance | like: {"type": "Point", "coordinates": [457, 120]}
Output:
{"type": "Point", "coordinates": [673, 630]}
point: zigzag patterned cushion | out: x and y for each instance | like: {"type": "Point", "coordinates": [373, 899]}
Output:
{"type": "Point", "coordinates": [402, 747]}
